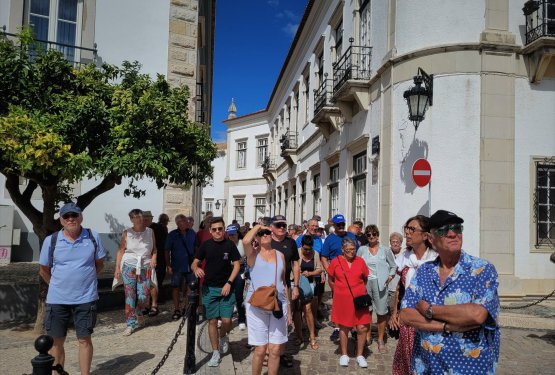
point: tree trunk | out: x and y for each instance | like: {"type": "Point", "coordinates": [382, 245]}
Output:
{"type": "Point", "coordinates": [41, 308]}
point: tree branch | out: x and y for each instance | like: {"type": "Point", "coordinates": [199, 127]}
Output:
{"type": "Point", "coordinates": [23, 201]}
{"type": "Point", "coordinates": [28, 192]}
{"type": "Point", "coordinates": [105, 185]}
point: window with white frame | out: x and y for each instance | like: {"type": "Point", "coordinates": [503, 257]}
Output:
{"type": "Point", "coordinates": [321, 68]}
{"type": "Point", "coordinates": [239, 210]}
{"type": "Point", "coordinates": [242, 154]}
{"type": "Point", "coordinates": [56, 21]}
{"type": "Point", "coordinates": [259, 207]}
{"type": "Point", "coordinates": [261, 150]}
{"type": "Point", "coordinates": [316, 197]}
{"type": "Point", "coordinates": [544, 203]}
{"type": "Point", "coordinates": [334, 190]}
{"type": "Point", "coordinates": [364, 32]}
{"type": "Point", "coordinates": [338, 41]}
{"type": "Point", "coordinates": [306, 99]}
{"type": "Point", "coordinates": [303, 200]}
{"type": "Point", "coordinates": [278, 212]}
{"type": "Point", "coordinates": [285, 197]}
{"type": "Point", "coordinates": [208, 206]}
{"type": "Point", "coordinates": [359, 187]}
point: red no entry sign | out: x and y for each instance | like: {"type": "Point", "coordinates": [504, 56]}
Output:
{"type": "Point", "coordinates": [421, 172]}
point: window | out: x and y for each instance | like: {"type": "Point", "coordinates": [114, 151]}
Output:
{"type": "Point", "coordinates": [261, 150]}
{"type": "Point", "coordinates": [321, 68]}
{"type": "Point", "coordinates": [294, 204]}
{"type": "Point", "coordinates": [208, 206]}
{"type": "Point", "coordinates": [544, 203]}
{"type": "Point", "coordinates": [285, 196]}
{"type": "Point", "coordinates": [303, 200]}
{"type": "Point", "coordinates": [339, 41]}
{"type": "Point", "coordinates": [365, 33]}
{"type": "Point", "coordinates": [334, 190]}
{"type": "Point", "coordinates": [239, 214]}
{"type": "Point", "coordinates": [359, 187]}
{"type": "Point", "coordinates": [56, 21]}
{"type": "Point", "coordinates": [278, 212]}
{"type": "Point", "coordinates": [316, 195]}
{"type": "Point", "coordinates": [259, 207]}
{"type": "Point", "coordinates": [242, 154]}
{"type": "Point", "coordinates": [306, 99]}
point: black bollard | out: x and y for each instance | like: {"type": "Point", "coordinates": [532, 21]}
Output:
{"type": "Point", "coordinates": [42, 363]}
{"type": "Point", "coordinates": [190, 366]}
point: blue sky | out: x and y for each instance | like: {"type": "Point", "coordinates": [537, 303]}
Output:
{"type": "Point", "coordinates": [252, 41]}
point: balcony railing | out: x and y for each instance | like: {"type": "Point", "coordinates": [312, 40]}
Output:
{"type": "Point", "coordinates": [73, 54]}
{"type": "Point", "coordinates": [540, 19]}
{"type": "Point", "coordinates": [322, 96]}
{"type": "Point", "coordinates": [268, 164]}
{"type": "Point", "coordinates": [288, 141]}
{"type": "Point", "coordinates": [354, 64]}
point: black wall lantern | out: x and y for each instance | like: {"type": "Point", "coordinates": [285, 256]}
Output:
{"type": "Point", "coordinates": [218, 204]}
{"type": "Point", "coordinates": [418, 97]}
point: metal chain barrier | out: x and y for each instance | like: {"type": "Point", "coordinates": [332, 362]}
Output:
{"type": "Point", "coordinates": [530, 304]}
{"type": "Point", "coordinates": [174, 340]}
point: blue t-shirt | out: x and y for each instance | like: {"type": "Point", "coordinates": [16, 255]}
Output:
{"type": "Point", "coordinates": [73, 274]}
{"type": "Point", "coordinates": [474, 280]}
{"type": "Point", "coordinates": [317, 246]}
{"type": "Point", "coordinates": [181, 248]}
{"type": "Point", "coordinates": [332, 245]}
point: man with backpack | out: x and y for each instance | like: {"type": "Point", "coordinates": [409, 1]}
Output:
{"type": "Point", "coordinates": [70, 261]}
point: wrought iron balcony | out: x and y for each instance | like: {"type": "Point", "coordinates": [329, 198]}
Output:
{"type": "Point", "coordinates": [289, 146]}
{"type": "Point", "coordinates": [540, 19]}
{"type": "Point", "coordinates": [269, 168]}
{"type": "Point", "coordinates": [326, 114]}
{"type": "Point", "coordinates": [76, 55]}
{"type": "Point", "coordinates": [353, 65]}
{"type": "Point", "coordinates": [322, 96]}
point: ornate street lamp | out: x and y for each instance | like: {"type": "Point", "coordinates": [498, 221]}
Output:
{"type": "Point", "coordinates": [418, 97]}
{"type": "Point", "coordinates": [218, 204]}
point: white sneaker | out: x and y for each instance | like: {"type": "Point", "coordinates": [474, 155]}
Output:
{"type": "Point", "coordinates": [215, 360]}
{"type": "Point", "coordinates": [362, 362]}
{"type": "Point", "coordinates": [219, 323]}
{"type": "Point", "coordinates": [128, 331]}
{"type": "Point", "coordinates": [242, 326]}
{"type": "Point", "coordinates": [344, 360]}
{"type": "Point", "coordinates": [224, 345]}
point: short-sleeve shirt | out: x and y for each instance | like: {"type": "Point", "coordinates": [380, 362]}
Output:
{"type": "Point", "coordinates": [474, 280]}
{"type": "Point", "coordinates": [219, 257]}
{"type": "Point", "coordinates": [181, 248]}
{"type": "Point", "coordinates": [290, 252]}
{"type": "Point", "coordinates": [317, 245]}
{"type": "Point", "coordinates": [73, 274]}
{"type": "Point", "coordinates": [332, 245]}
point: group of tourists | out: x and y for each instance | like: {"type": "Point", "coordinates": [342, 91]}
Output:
{"type": "Point", "coordinates": [438, 300]}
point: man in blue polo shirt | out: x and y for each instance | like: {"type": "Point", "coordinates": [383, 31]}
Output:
{"type": "Point", "coordinates": [70, 268]}
{"type": "Point", "coordinates": [180, 250]}
{"type": "Point", "coordinates": [331, 249]}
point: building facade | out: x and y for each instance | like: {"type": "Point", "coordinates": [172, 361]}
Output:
{"type": "Point", "coordinates": [340, 140]}
{"type": "Point", "coordinates": [174, 38]}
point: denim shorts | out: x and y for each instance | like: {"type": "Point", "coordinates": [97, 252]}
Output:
{"type": "Point", "coordinates": [178, 277]}
{"type": "Point", "coordinates": [56, 319]}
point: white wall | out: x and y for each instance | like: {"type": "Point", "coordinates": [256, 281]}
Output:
{"type": "Point", "coordinates": [252, 170]}
{"type": "Point", "coordinates": [517, 20]}
{"type": "Point", "coordinates": [5, 14]}
{"type": "Point", "coordinates": [214, 190]}
{"type": "Point", "coordinates": [534, 136]}
{"type": "Point", "coordinates": [134, 30]}
{"type": "Point", "coordinates": [425, 23]}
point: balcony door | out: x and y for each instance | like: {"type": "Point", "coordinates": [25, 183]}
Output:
{"type": "Point", "coordinates": [364, 34]}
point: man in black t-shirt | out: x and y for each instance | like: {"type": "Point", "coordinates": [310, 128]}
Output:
{"type": "Point", "coordinates": [221, 269]}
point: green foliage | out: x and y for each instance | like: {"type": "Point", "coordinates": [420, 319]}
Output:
{"type": "Point", "coordinates": [60, 124]}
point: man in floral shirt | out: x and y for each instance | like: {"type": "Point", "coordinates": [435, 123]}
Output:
{"type": "Point", "coordinates": [453, 305]}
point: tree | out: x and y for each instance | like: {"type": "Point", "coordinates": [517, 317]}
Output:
{"type": "Point", "coordinates": [60, 124]}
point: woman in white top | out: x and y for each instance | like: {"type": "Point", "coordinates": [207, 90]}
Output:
{"type": "Point", "coordinates": [134, 263]}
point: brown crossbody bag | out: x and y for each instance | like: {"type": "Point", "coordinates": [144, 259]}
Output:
{"type": "Point", "coordinates": [265, 297]}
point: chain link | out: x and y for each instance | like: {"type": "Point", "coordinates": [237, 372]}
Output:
{"type": "Point", "coordinates": [530, 304]}
{"type": "Point", "coordinates": [174, 340]}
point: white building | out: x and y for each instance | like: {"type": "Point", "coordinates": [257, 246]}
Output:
{"type": "Point", "coordinates": [174, 38]}
{"type": "Point", "coordinates": [340, 139]}
{"type": "Point", "coordinates": [213, 193]}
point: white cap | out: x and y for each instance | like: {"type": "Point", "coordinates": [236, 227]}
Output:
{"type": "Point", "coordinates": [321, 224]}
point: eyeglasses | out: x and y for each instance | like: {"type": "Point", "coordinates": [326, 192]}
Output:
{"type": "Point", "coordinates": [307, 248]}
{"type": "Point", "coordinates": [264, 232]}
{"type": "Point", "coordinates": [216, 229]}
{"type": "Point", "coordinates": [72, 215]}
{"type": "Point", "coordinates": [280, 225]}
{"type": "Point", "coordinates": [411, 230]}
{"type": "Point", "coordinates": [373, 234]}
{"type": "Point", "coordinates": [444, 230]}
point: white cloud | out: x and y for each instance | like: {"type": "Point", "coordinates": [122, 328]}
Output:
{"type": "Point", "coordinates": [292, 16]}
{"type": "Point", "coordinates": [290, 29]}
{"type": "Point", "coordinates": [273, 3]}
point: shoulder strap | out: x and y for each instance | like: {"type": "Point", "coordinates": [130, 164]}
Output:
{"type": "Point", "coordinates": [275, 280]}
{"type": "Point", "coordinates": [345, 275]}
{"type": "Point", "coordinates": [53, 240]}
{"type": "Point", "coordinates": [93, 240]}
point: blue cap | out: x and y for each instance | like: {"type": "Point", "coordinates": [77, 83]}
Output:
{"type": "Point", "coordinates": [231, 229]}
{"type": "Point", "coordinates": [69, 207]}
{"type": "Point", "coordinates": [338, 219]}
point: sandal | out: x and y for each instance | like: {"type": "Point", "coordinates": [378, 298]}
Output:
{"type": "Point", "coordinates": [314, 344]}
{"type": "Point", "coordinates": [381, 347]}
{"type": "Point", "coordinates": [176, 315]}
{"type": "Point", "coordinates": [153, 311]}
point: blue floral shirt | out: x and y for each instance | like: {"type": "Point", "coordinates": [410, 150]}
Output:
{"type": "Point", "coordinates": [474, 280]}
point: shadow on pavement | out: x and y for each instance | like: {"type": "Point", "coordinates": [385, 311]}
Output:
{"type": "Point", "coordinates": [548, 337]}
{"type": "Point", "coordinates": [122, 364]}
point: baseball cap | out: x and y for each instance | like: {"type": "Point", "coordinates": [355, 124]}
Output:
{"type": "Point", "coordinates": [321, 225]}
{"type": "Point", "coordinates": [279, 219]}
{"type": "Point", "coordinates": [338, 219]}
{"type": "Point", "coordinates": [69, 207]}
{"type": "Point", "coordinates": [231, 229]}
{"type": "Point", "coordinates": [442, 217]}
{"type": "Point", "coordinates": [147, 214]}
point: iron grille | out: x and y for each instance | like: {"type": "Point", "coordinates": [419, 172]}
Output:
{"type": "Point", "coordinates": [540, 19]}
{"type": "Point", "coordinates": [289, 141]}
{"type": "Point", "coordinates": [269, 163]}
{"type": "Point", "coordinates": [544, 202]}
{"type": "Point", "coordinates": [354, 64]}
{"type": "Point", "coordinates": [322, 96]}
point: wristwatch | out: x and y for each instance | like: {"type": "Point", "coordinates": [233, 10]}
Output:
{"type": "Point", "coordinates": [428, 314]}
{"type": "Point", "coordinates": [230, 282]}
{"type": "Point", "coordinates": [445, 330]}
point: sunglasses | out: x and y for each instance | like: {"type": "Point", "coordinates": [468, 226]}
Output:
{"type": "Point", "coordinates": [373, 234]}
{"type": "Point", "coordinates": [412, 229]}
{"type": "Point", "coordinates": [280, 225]}
{"type": "Point", "coordinates": [72, 215]}
{"type": "Point", "coordinates": [217, 229]}
{"type": "Point", "coordinates": [264, 232]}
{"type": "Point", "coordinates": [444, 230]}
{"type": "Point", "coordinates": [340, 225]}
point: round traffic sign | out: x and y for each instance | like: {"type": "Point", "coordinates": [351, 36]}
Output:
{"type": "Point", "coordinates": [421, 172]}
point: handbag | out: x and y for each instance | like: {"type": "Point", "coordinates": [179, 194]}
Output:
{"type": "Point", "coordinates": [361, 302]}
{"type": "Point", "coordinates": [265, 297]}
{"type": "Point", "coordinates": [305, 290]}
